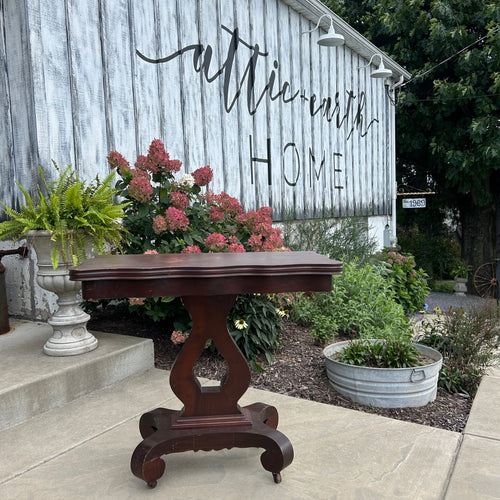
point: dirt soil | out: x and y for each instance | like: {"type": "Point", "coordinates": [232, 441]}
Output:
{"type": "Point", "coordinates": [297, 370]}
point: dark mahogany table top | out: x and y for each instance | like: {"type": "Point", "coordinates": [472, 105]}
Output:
{"type": "Point", "coordinates": [113, 276]}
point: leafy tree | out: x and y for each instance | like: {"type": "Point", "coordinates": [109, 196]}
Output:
{"type": "Point", "coordinates": [448, 134]}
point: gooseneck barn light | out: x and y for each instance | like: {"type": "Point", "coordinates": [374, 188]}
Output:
{"type": "Point", "coordinates": [381, 71]}
{"type": "Point", "coordinates": [330, 39]}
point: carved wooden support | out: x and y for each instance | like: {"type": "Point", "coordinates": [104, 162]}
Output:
{"type": "Point", "coordinates": [208, 283]}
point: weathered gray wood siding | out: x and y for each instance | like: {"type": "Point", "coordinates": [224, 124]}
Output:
{"type": "Point", "coordinates": [74, 87]}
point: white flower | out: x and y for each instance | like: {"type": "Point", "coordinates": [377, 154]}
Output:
{"type": "Point", "coordinates": [240, 324]}
{"type": "Point", "coordinates": [187, 180]}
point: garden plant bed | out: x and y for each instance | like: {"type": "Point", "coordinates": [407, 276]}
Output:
{"type": "Point", "coordinates": [297, 370]}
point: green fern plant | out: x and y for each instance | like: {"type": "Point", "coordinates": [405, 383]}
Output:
{"type": "Point", "coordinates": [73, 212]}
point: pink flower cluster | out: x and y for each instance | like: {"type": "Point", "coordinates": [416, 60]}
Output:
{"type": "Point", "coordinates": [235, 248]}
{"type": "Point", "coordinates": [140, 186]}
{"type": "Point", "coordinates": [157, 159]}
{"type": "Point", "coordinates": [262, 243]}
{"type": "Point", "coordinates": [179, 337]}
{"type": "Point", "coordinates": [159, 224]}
{"type": "Point", "coordinates": [252, 220]}
{"type": "Point", "coordinates": [173, 220]}
{"type": "Point", "coordinates": [397, 258]}
{"type": "Point", "coordinates": [191, 249]}
{"type": "Point", "coordinates": [264, 238]}
{"type": "Point", "coordinates": [215, 242]}
{"type": "Point", "coordinates": [224, 203]}
{"type": "Point", "coordinates": [176, 219]}
{"type": "Point", "coordinates": [116, 160]}
{"type": "Point", "coordinates": [216, 214]}
{"type": "Point", "coordinates": [179, 200]}
{"type": "Point", "coordinates": [203, 176]}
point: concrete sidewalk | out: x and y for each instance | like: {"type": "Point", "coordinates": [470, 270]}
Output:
{"type": "Point", "coordinates": [82, 448]}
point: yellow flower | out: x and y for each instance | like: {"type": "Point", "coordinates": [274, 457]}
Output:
{"type": "Point", "coordinates": [240, 324]}
{"type": "Point", "coordinates": [281, 311]}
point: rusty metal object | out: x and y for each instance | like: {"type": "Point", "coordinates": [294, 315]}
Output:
{"type": "Point", "coordinates": [4, 313]}
{"type": "Point", "coordinates": [485, 280]}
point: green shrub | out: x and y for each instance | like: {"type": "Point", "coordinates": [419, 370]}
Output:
{"type": "Point", "coordinates": [255, 323]}
{"type": "Point", "coordinates": [436, 254]}
{"type": "Point", "coordinates": [343, 239]}
{"type": "Point", "coordinates": [322, 328]}
{"type": "Point", "coordinates": [445, 286]}
{"type": "Point", "coordinates": [390, 353]}
{"type": "Point", "coordinates": [461, 270]}
{"type": "Point", "coordinates": [467, 342]}
{"type": "Point", "coordinates": [361, 304]}
{"type": "Point", "coordinates": [408, 283]}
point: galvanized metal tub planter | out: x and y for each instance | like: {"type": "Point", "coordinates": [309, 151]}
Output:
{"type": "Point", "coordinates": [385, 387]}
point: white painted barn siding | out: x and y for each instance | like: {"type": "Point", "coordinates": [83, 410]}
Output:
{"type": "Point", "coordinates": [73, 88]}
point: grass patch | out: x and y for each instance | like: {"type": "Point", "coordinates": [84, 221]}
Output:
{"type": "Point", "coordinates": [444, 286]}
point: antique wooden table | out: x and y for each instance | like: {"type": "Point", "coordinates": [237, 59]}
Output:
{"type": "Point", "coordinates": [208, 284]}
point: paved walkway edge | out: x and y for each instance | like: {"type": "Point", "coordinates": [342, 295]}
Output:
{"type": "Point", "coordinates": [476, 470]}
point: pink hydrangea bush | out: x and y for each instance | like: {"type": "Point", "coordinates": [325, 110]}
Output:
{"type": "Point", "coordinates": [175, 212]}
{"type": "Point", "coordinates": [169, 212]}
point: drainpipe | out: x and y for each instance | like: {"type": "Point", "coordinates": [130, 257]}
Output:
{"type": "Point", "coordinates": [394, 190]}
{"type": "Point", "coordinates": [4, 313]}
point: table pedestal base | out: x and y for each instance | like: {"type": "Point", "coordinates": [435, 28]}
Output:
{"type": "Point", "coordinates": [166, 431]}
{"type": "Point", "coordinates": [208, 284]}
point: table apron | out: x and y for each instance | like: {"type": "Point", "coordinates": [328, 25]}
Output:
{"type": "Point", "coordinates": [163, 287]}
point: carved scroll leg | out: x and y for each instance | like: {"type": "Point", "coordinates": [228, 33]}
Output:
{"type": "Point", "coordinates": [278, 455]}
{"type": "Point", "coordinates": [154, 420]}
{"type": "Point", "coordinates": [264, 413]}
{"type": "Point", "coordinates": [279, 450]}
{"type": "Point", "coordinates": [146, 463]}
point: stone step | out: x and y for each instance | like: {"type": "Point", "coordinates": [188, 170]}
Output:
{"type": "Point", "coordinates": [33, 383]}
{"type": "Point", "coordinates": [53, 433]}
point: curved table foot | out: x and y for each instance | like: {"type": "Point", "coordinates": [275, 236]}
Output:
{"type": "Point", "coordinates": [266, 414]}
{"type": "Point", "coordinates": [153, 420]}
{"type": "Point", "coordinates": [161, 439]}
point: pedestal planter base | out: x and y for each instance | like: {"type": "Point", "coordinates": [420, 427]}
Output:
{"type": "Point", "coordinates": [69, 339]}
{"type": "Point", "coordinates": [460, 287]}
{"type": "Point", "coordinates": [384, 387]}
{"type": "Point", "coordinates": [70, 336]}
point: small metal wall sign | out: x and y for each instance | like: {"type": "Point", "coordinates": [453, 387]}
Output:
{"type": "Point", "coordinates": [414, 203]}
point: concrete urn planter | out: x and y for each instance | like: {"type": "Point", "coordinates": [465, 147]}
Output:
{"type": "Point", "coordinates": [460, 287]}
{"type": "Point", "coordinates": [384, 387]}
{"type": "Point", "coordinates": [70, 335]}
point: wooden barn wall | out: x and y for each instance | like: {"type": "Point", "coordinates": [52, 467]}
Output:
{"type": "Point", "coordinates": [234, 85]}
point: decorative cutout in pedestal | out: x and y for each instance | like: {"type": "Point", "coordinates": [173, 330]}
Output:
{"type": "Point", "coordinates": [222, 368]}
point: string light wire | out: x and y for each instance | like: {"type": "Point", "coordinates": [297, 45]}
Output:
{"type": "Point", "coordinates": [420, 75]}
